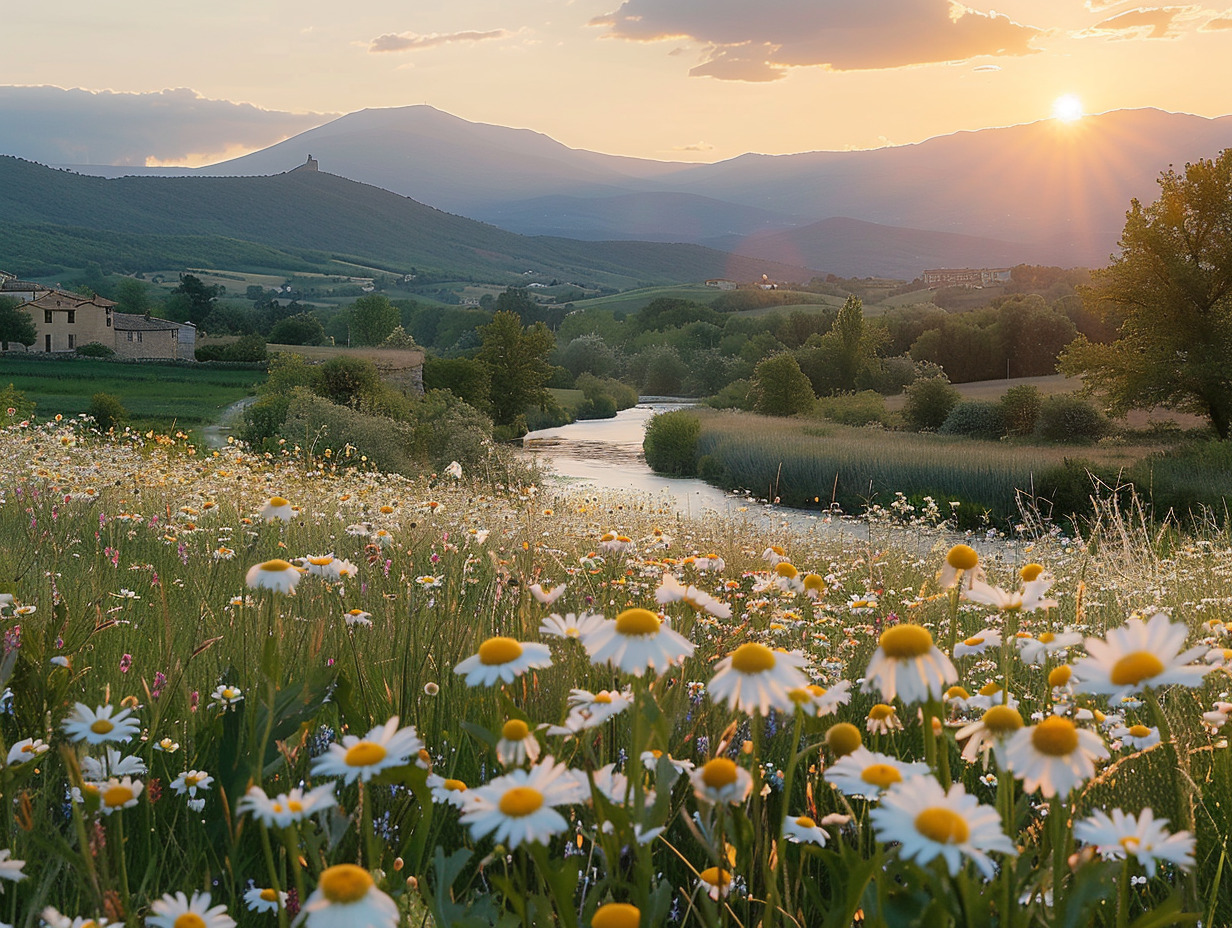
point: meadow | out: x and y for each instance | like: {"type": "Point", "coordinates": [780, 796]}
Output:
{"type": "Point", "coordinates": [324, 695]}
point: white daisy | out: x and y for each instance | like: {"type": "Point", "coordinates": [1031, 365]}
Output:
{"type": "Point", "coordinates": [225, 696]}
{"type": "Point", "coordinates": [277, 575]}
{"type": "Point", "coordinates": [869, 774]}
{"type": "Point", "coordinates": [1027, 599]}
{"type": "Point", "coordinates": [671, 590]}
{"type": "Point", "coordinates": [755, 679]}
{"type": "Point", "coordinates": [820, 701]}
{"type": "Point", "coordinates": [10, 869]}
{"type": "Point", "coordinates": [520, 807]}
{"type": "Point", "coordinates": [1139, 655]}
{"type": "Point", "coordinates": [989, 734]}
{"type": "Point", "coordinates": [357, 617]}
{"type": "Point", "coordinates": [929, 822]}
{"type": "Point", "coordinates": [347, 897]}
{"type": "Point", "coordinates": [803, 830]}
{"type": "Point", "coordinates": [1138, 737]}
{"type": "Point", "coordinates": [1143, 837]}
{"type": "Point", "coordinates": [636, 641]}
{"type": "Point", "coordinates": [516, 745]}
{"type": "Point", "coordinates": [721, 780]}
{"type": "Point", "coordinates": [113, 764]}
{"type": "Point", "coordinates": [549, 595]}
{"type": "Point", "coordinates": [453, 792]}
{"type": "Point", "coordinates": [715, 881]}
{"type": "Point", "coordinates": [190, 781]}
{"type": "Point", "coordinates": [571, 625]}
{"type": "Point", "coordinates": [651, 758]}
{"type": "Point", "coordinates": [961, 563]}
{"type": "Point", "coordinates": [96, 726]}
{"type": "Point", "coordinates": [264, 900]}
{"type": "Point", "coordinates": [26, 749]}
{"type": "Point", "coordinates": [1037, 650]}
{"type": "Point", "coordinates": [55, 919]}
{"type": "Point", "coordinates": [277, 508]}
{"type": "Point", "coordinates": [116, 794]}
{"type": "Point", "coordinates": [286, 809]}
{"type": "Point", "coordinates": [355, 758]}
{"type": "Point", "coordinates": [883, 719]}
{"type": "Point", "coordinates": [503, 659]}
{"type": "Point", "coordinates": [1054, 756]}
{"type": "Point", "coordinates": [985, 640]}
{"type": "Point", "coordinates": [907, 665]}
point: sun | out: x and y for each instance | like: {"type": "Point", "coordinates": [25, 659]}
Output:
{"type": "Point", "coordinates": [1067, 108]}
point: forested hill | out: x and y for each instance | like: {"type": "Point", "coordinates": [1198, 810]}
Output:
{"type": "Point", "coordinates": [307, 216]}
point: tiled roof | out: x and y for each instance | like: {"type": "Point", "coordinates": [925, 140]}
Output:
{"type": "Point", "coordinates": [130, 322]}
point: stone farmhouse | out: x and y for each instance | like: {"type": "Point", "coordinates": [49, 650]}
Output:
{"type": "Point", "coordinates": [66, 321]}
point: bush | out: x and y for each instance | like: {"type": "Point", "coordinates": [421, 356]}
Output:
{"type": "Point", "coordinates": [1020, 407]}
{"type": "Point", "coordinates": [975, 419]}
{"type": "Point", "coordinates": [1067, 417]}
{"type": "Point", "coordinates": [244, 348]}
{"type": "Point", "coordinates": [863, 408]}
{"type": "Point", "coordinates": [263, 420]}
{"type": "Point", "coordinates": [929, 402]}
{"type": "Point", "coordinates": [736, 395]}
{"type": "Point", "coordinates": [96, 350]}
{"type": "Point", "coordinates": [14, 399]}
{"type": "Point", "coordinates": [107, 410]}
{"type": "Point", "coordinates": [671, 443]}
{"type": "Point", "coordinates": [780, 387]}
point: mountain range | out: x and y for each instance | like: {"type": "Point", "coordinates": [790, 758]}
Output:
{"type": "Point", "coordinates": [1049, 192]}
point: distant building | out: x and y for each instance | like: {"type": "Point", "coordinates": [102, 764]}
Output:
{"type": "Point", "coordinates": [309, 165]}
{"type": "Point", "coordinates": [967, 276]}
{"type": "Point", "coordinates": [149, 338]}
{"type": "Point", "coordinates": [721, 283]}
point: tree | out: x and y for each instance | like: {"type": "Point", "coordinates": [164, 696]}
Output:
{"type": "Point", "coordinates": [194, 299]}
{"type": "Point", "coordinates": [301, 329]}
{"type": "Point", "coordinates": [780, 387]}
{"type": "Point", "coordinates": [373, 317]}
{"type": "Point", "coordinates": [1171, 287]}
{"type": "Point", "coordinates": [516, 357]}
{"type": "Point", "coordinates": [107, 410]}
{"type": "Point", "coordinates": [133, 296]}
{"type": "Point", "coordinates": [16, 325]}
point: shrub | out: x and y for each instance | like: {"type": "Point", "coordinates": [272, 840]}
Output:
{"type": "Point", "coordinates": [929, 402]}
{"type": "Point", "coordinates": [107, 410]}
{"type": "Point", "coordinates": [263, 420]}
{"type": "Point", "coordinates": [780, 387]}
{"type": "Point", "coordinates": [671, 443]}
{"type": "Point", "coordinates": [1067, 417]}
{"type": "Point", "coordinates": [863, 408]}
{"type": "Point", "coordinates": [975, 419]}
{"type": "Point", "coordinates": [736, 395]}
{"type": "Point", "coordinates": [244, 348]}
{"type": "Point", "coordinates": [14, 399]}
{"type": "Point", "coordinates": [95, 350]}
{"type": "Point", "coordinates": [597, 407]}
{"type": "Point", "coordinates": [345, 380]}
{"type": "Point", "coordinates": [1020, 408]}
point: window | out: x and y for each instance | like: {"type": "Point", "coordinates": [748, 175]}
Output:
{"type": "Point", "coordinates": [130, 335]}
{"type": "Point", "coordinates": [72, 318]}
{"type": "Point", "coordinates": [47, 318]}
{"type": "Point", "coordinates": [109, 318]}
{"type": "Point", "coordinates": [47, 342]}
{"type": "Point", "coordinates": [138, 336]}
{"type": "Point", "coordinates": [72, 339]}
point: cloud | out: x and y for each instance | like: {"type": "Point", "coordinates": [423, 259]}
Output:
{"type": "Point", "coordinates": [987, 67]}
{"type": "Point", "coordinates": [1144, 22]}
{"type": "Point", "coordinates": [695, 146]}
{"type": "Point", "coordinates": [1219, 23]}
{"type": "Point", "coordinates": [408, 41]}
{"type": "Point", "coordinates": [758, 42]}
{"type": "Point", "coordinates": [52, 125]}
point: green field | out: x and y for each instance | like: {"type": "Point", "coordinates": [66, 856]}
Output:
{"type": "Point", "coordinates": [155, 395]}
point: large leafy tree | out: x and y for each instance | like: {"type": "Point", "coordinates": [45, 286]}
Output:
{"type": "Point", "coordinates": [16, 325]}
{"type": "Point", "coordinates": [373, 317]}
{"type": "Point", "coordinates": [1170, 293]}
{"type": "Point", "coordinates": [516, 358]}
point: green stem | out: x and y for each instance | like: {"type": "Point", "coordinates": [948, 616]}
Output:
{"type": "Point", "coordinates": [1056, 821]}
{"type": "Point", "coordinates": [1005, 803]}
{"type": "Point", "coordinates": [785, 809]}
{"type": "Point", "coordinates": [1122, 915]}
{"type": "Point", "coordinates": [953, 629]}
{"type": "Point", "coordinates": [122, 859]}
{"type": "Point", "coordinates": [275, 884]}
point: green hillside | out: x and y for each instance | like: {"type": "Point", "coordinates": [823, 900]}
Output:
{"type": "Point", "coordinates": [302, 220]}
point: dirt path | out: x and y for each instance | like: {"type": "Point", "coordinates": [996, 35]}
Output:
{"type": "Point", "coordinates": [215, 436]}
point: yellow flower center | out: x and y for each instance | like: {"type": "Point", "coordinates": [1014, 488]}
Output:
{"type": "Point", "coordinates": [345, 884]}
{"type": "Point", "coordinates": [499, 650]}
{"type": "Point", "coordinates": [320, 561]}
{"type": "Point", "coordinates": [364, 754]}
{"type": "Point", "coordinates": [116, 796]}
{"type": "Point", "coordinates": [101, 727]}
{"type": "Point", "coordinates": [191, 781]}
{"type": "Point", "coordinates": [1030, 572]}
{"type": "Point", "coordinates": [942, 825]}
{"type": "Point", "coordinates": [294, 806]}
{"type": "Point", "coordinates": [268, 895]}
{"type": "Point", "coordinates": [805, 822]}
{"type": "Point", "coordinates": [957, 692]}
{"type": "Point", "coordinates": [455, 786]}
{"type": "Point", "coordinates": [637, 622]}
{"type": "Point", "coordinates": [278, 501]}
{"type": "Point", "coordinates": [189, 920]}
{"type": "Point", "coordinates": [603, 697]}
{"type": "Point", "coordinates": [1055, 737]}
{"type": "Point", "coordinates": [973, 642]}
{"type": "Point", "coordinates": [515, 730]}
{"type": "Point", "coordinates": [230, 693]}
{"type": "Point", "coordinates": [990, 689]}
{"type": "Point", "coordinates": [1047, 638]}
{"type": "Point", "coordinates": [906, 641]}
{"type": "Point", "coordinates": [752, 658]}
{"type": "Point", "coordinates": [1130, 843]}
{"type": "Point", "coordinates": [715, 877]}
{"type": "Point", "coordinates": [1139, 731]}
{"type": "Point", "coordinates": [786, 570]}
{"type": "Point", "coordinates": [1059, 676]}
{"type": "Point", "coordinates": [800, 695]}
{"type": "Point", "coordinates": [616, 915]}
{"type": "Point", "coordinates": [276, 566]}
{"type": "Point", "coordinates": [881, 775]}
{"type": "Point", "coordinates": [1133, 668]}
{"type": "Point", "coordinates": [1001, 720]}
{"type": "Point", "coordinates": [719, 773]}
{"type": "Point", "coordinates": [843, 738]}
{"type": "Point", "coordinates": [520, 801]}
{"type": "Point", "coordinates": [814, 582]}
{"type": "Point", "coordinates": [962, 557]}
{"type": "Point", "coordinates": [880, 712]}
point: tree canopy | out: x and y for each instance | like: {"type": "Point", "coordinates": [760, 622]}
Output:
{"type": "Point", "coordinates": [516, 358]}
{"type": "Point", "coordinates": [16, 325]}
{"type": "Point", "coordinates": [1170, 290]}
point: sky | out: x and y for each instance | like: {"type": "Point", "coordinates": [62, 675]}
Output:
{"type": "Point", "coordinates": [157, 82]}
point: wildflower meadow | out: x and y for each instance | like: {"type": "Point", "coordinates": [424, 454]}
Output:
{"type": "Point", "coordinates": [272, 690]}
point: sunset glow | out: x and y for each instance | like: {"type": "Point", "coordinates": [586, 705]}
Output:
{"type": "Point", "coordinates": [1067, 108]}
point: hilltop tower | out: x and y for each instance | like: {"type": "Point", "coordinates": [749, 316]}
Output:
{"type": "Point", "coordinates": [309, 165]}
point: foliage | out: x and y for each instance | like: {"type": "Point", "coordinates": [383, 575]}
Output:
{"type": "Point", "coordinates": [192, 300]}
{"type": "Point", "coordinates": [372, 319]}
{"type": "Point", "coordinates": [399, 338]}
{"type": "Point", "coordinates": [107, 411]}
{"type": "Point", "coordinates": [95, 350]}
{"type": "Point", "coordinates": [516, 358]}
{"type": "Point", "coordinates": [975, 419]}
{"type": "Point", "coordinates": [1066, 417]}
{"type": "Point", "coordinates": [736, 395]}
{"type": "Point", "coordinates": [13, 399]}
{"type": "Point", "coordinates": [588, 354]}
{"type": "Point", "coordinates": [346, 380]}
{"type": "Point", "coordinates": [16, 325]}
{"type": "Point", "coordinates": [670, 444]}
{"type": "Point", "coordinates": [1020, 406]}
{"type": "Point", "coordinates": [300, 329]}
{"type": "Point", "coordinates": [467, 379]}
{"type": "Point", "coordinates": [1170, 287]}
{"type": "Point", "coordinates": [780, 388]}
{"type": "Point", "coordinates": [929, 401]}
{"type": "Point", "coordinates": [864, 408]}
